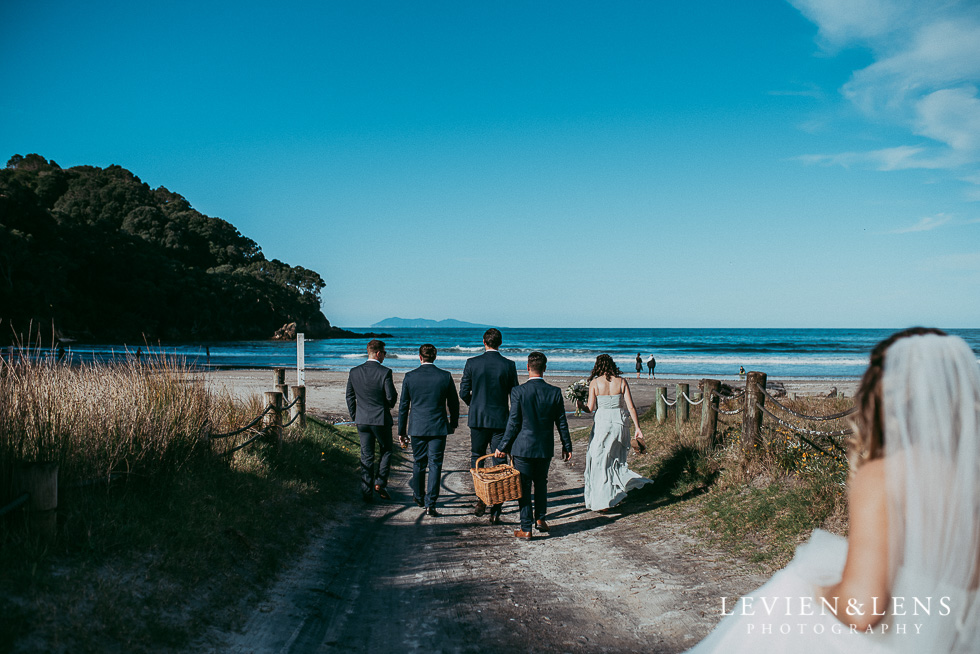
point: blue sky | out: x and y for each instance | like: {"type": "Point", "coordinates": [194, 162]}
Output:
{"type": "Point", "coordinates": [813, 163]}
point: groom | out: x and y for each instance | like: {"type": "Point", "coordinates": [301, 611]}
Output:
{"type": "Point", "coordinates": [536, 408]}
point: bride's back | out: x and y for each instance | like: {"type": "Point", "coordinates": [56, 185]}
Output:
{"type": "Point", "coordinates": [612, 386]}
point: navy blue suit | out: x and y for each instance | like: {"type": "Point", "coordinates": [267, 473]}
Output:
{"type": "Point", "coordinates": [370, 397]}
{"type": "Point", "coordinates": [428, 412]}
{"type": "Point", "coordinates": [486, 385]}
{"type": "Point", "coordinates": [536, 409]}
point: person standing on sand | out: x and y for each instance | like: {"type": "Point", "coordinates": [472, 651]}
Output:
{"type": "Point", "coordinates": [370, 397]}
{"type": "Point", "coordinates": [639, 365]}
{"type": "Point", "coordinates": [428, 413]}
{"type": "Point", "coordinates": [536, 409]}
{"type": "Point", "coordinates": [485, 387]}
{"type": "Point", "coordinates": [651, 365]}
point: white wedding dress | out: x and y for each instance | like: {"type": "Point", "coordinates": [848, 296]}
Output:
{"type": "Point", "coordinates": [931, 416]}
{"type": "Point", "coordinates": [607, 478]}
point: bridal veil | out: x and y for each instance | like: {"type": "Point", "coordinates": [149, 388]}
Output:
{"type": "Point", "coordinates": [931, 414]}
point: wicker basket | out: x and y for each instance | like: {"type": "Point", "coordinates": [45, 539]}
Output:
{"type": "Point", "coordinates": [496, 484]}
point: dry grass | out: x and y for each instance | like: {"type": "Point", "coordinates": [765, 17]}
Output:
{"type": "Point", "coordinates": [147, 562]}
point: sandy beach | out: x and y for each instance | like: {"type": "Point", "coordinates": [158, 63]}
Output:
{"type": "Point", "coordinates": [325, 389]}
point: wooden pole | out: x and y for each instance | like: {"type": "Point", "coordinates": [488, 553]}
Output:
{"type": "Point", "coordinates": [682, 410]}
{"type": "Point", "coordinates": [273, 419]}
{"type": "Point", "coordinates": [280, 376]}
{"type": "Point", "coordinates": [752, 413]}
{"type": "Point", "coordinates": [709, 414]}
{"type": "Point", "coordinates": [40, 481]}
{"type": "Point", "coordinates": [299, 406]}
{"type": "Point", "coordinates": [659, 397]}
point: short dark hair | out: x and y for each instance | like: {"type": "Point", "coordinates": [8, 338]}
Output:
{"type": "Point", "coordinates": [492, 338]}
{"type": "Point", "coordinates": [428, 352]}
{"type": "Point", "coordinates": [374, 346]}
{"type": "Point", "coordinates": [537, 362]}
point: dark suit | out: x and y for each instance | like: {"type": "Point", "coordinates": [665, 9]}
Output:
{"type": "Point", "coordinates": [536, 408]}
{"type": "Point", "coordinates": [485, 387]}
{"type": "Point", "coordinates": [370, 397]}
{"type": "Point", "coordinates": [428, 412]}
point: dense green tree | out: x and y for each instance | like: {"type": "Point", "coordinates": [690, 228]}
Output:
{"type": "Point", "coordinates": [104, 256]}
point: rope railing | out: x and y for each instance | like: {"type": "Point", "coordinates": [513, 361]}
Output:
{"type": "Point", "coordinates": [802, 430]}
{"type": "Point", "coordinates": [722, 398]}
{"type": "Point", "coordinates": [17, 502]}
{"type": "Point", "coordinates": [668, 402]}
{"type": "Point", "coordinates": [292, 420]}
{"type": "Point", "coordinates": [246, 427]}
{"type": "Point", "coordinates": [690, 401]}
{"type": "Point", "coordinates": [785, 408]}
{"type": "Point", "coordinates": [339, 435]}
{"type": "Point", "coordinates": [257, 436]}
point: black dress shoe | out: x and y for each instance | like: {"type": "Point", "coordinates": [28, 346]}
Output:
{"type": "Point", "coordinates": [421, 503]}
{"type": "Point", "coordinates": [431, 511]}
{"type": "Point", "coordinates": [494, 519]}
{"type": "Point", "coordinates": [382, 493]}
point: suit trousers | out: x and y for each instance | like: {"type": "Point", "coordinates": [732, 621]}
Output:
{"type": "Point", "coordinates": [480, 439]}
{"type": "Point", "coordinates": [534, 473]}
{"type": "Point", "coordinates": [428, 452]}
{"type": "Point", "coordinates": [369, 435]}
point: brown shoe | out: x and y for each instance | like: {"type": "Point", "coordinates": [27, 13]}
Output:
{"type": "Point", "coordinates": [526, 535]}
{"type": "Point", "coordinates": [382, 493]}
{"type": "Point", "coordinates": [543, 526]}
{"type": "Point", "coordinates": [480, 508]}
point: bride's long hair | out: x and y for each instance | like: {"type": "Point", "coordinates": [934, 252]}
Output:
{"type": "Point", "coordinates": [605, 367]}
{"type": "Point", "coordinates": [868, 441]}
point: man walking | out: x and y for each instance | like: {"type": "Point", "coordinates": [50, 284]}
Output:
{"type": "Point", "coordinates": [536, 408]}
{"type": "Point", "coordinates": [370, 397]}
{"type": "Point", "coordinates": [486, 384]}
{"type": "Point", "coordinates": [428, 413]}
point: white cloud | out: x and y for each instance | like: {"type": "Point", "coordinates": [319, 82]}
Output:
{"type": "Point", "coordinates": [925, 76]}
{"type": "Point", "coordinates": [926, 224]}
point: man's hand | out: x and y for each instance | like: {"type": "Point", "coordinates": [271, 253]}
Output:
{"type": "Point", "coordinates": [499, 454]}
{"type": "Point", "coordinates": [565, 454]}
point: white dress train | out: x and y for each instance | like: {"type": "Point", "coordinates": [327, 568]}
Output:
{"type": "Point", "coordinates": [607, 478]}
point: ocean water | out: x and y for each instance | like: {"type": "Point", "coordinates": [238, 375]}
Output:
{"type": "Point", "coordinates": [715, 353]}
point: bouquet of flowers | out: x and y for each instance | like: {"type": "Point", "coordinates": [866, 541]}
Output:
{"type": "Point", "coordinates": [578, 392]}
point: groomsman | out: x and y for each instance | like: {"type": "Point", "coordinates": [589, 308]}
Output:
{"type": "Point", "coordinates": [370, 397]}
{"type": "Point", "coordinates": [485, 386]}
{"type": "Point", "coordinates": [536, 408]}
{"type": "Point", "coordinates": [428, 413]}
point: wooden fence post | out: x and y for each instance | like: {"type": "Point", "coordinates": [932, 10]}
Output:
{"type": "Point", "coordinates": [40, 481]}
{"type": "Point", "coordinates": [682, 410]}
{"type": "Point", "coordinates": [299, 405]}
{"type": "Point", "coordinates": [659, 400]}
{"type": "Point", "coordinates": [280, 384]}
{"type": "Point", "coordinates": [709, 414]}
{"type": "Point", "coordinates": [752, 413]}
{"type": "Point", "coordinates": [274, 419]}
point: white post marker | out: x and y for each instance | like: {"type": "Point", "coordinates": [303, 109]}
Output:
{"type": "Point", "coordinates": [300, 360]}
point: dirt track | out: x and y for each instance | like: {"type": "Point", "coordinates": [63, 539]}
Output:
{"type": "Point", "coordinates": [385, 578]}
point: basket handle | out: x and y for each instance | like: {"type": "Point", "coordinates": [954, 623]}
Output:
{"type": "Point", "coordinates": [487, 456]}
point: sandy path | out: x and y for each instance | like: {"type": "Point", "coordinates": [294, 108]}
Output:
{"type": "Point", "coordinates": [386, 578]}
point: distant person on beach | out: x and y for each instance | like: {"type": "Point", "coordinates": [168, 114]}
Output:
{"type": "Point", "coordinates": [651, 366]}
{"type": "Point", "coordinates": [536, 409]}
{"type": "Point", "coordinates": [639, 365]}
{"type": "Point", "coordinates": [485, 387]}
{"type": "Point", "coordinates": [370, 397]}
{"type": "Point", "coordinates": [607, 478]}
{"type": "Point", "coordinates": [139, 355]}
{"type": "Point", "coordinates": [428, 413]}
{"type": "Point", "coordinates": [741, 371]}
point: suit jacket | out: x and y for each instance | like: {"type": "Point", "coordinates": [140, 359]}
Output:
{"type": "Point", "coordinates": [486, 384]}
{"type": "Point", "coordinates": [536, 408]}
{"type": "Point", "coordinates": [429, 405]}
{"type": "Point", "coordinates": [371, 394]}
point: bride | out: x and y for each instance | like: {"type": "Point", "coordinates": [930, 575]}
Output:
{"type": "Point", "coordinates": [607, 479]}
{"type": "Point", "coordinates": [906, 577]}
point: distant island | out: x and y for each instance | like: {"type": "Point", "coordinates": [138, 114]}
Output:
{"type": "Point", "coordinates": [95, 254]}
{"type": "Point", "coordinates": [423, 323]}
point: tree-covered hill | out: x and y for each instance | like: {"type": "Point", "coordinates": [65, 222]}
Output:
{"type": "Point", "coordinates": [105, 257]}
